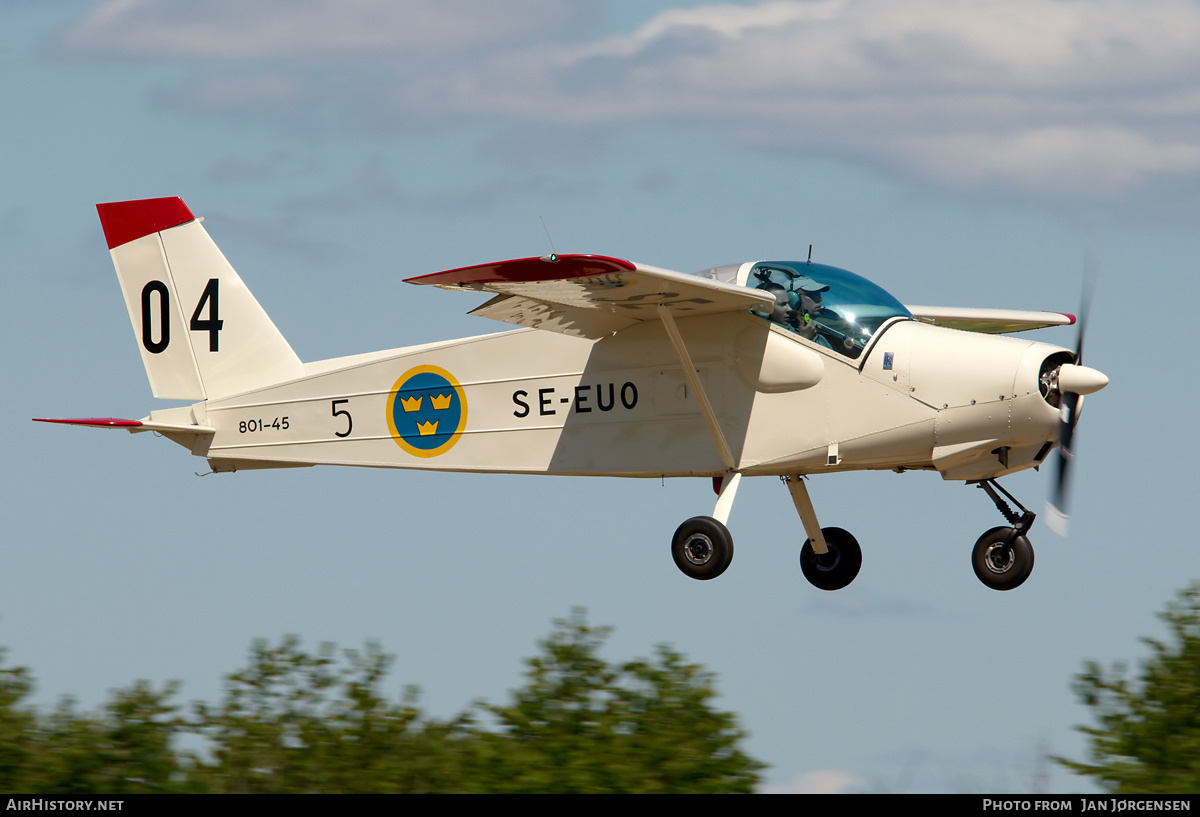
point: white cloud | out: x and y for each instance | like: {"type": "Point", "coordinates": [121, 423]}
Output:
{"type": "Point", "coordinates": [1075, 97]}
{"type": "Point", "coordinates": [822, 781]}
{"type": "Point", "coordinates": [1035, 97]}
{"type": "Point", "coordinates": [313, 29]}
{"type": "Point", "coordinates": [239, 92]}
{"type": "Point", "coordinates": [1098, 161]}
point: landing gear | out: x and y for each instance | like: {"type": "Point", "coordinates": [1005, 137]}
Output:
{"type": "Point", "coordinates": [702, 547]}
{"type": "Point", "coordinates": [835, 568]}
{"type": "Point", "coordinates": [830, 557]}
{"type": "Point", "coordinates": [1003, 557]}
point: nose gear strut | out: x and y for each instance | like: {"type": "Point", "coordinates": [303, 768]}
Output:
{"type": "Point", "coordinates": [1003, 557]}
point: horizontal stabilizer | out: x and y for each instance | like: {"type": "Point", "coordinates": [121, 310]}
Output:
{"type": "Point", "coordinates": [989, 321]}
{"type": "Point", "coordinates": [94, 422]}
{"type": "Point", "coordinates": [132, 426]}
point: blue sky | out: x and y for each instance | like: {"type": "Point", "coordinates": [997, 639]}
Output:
{"type": "Point", "coordinates": [957, 153]}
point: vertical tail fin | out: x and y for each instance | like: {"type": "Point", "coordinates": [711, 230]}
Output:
{"type": "Point", "coordinates": [201, 333]}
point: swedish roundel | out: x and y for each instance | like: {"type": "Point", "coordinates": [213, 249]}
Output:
{"type": "Point", "coordinates": [426, 411]}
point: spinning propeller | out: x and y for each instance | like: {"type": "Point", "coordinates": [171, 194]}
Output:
{"type": "Point", "coordinates": [1073, 381]}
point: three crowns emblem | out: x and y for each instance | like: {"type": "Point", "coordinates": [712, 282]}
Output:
{"type": "Point", "coordinates": [426, 411]}
{"type": "Point", "coordinates": [439, 402]}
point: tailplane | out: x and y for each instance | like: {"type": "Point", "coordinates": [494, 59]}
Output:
{"type": "Point", "coordinates": [201, 332]}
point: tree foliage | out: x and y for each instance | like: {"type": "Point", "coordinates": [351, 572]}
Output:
{"type": "Point", "coordinates": [291, 721]}
{"type": "Point", "coordinates": [124, 749]}
{"type": "Point", "coordinates": [580, 725]}
{"type": "Point", "coordinates": [294, 722]}
{"type": "Point", "coordinates": [1147, 737]}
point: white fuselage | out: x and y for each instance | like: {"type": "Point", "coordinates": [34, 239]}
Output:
{"type": "Point", "coordinates": [962, 403]}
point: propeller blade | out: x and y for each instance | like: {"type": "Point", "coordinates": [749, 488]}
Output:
{"type": "Point", "coordinates": [1084, 381]}
{"type": "Point", "coordinates": [1057, 517]}
{"type": "Point", "coordinates": [1090, 266]}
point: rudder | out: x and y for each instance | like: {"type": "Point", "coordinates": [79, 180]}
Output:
{"type": "Point", "coordinates": [200, 331]}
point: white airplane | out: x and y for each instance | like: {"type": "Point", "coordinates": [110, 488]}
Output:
{"type": "Point", "coordinates": [766, 368]}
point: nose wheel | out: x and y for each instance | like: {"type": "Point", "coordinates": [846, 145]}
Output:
{"type": "Point", "coordinates": [1003, 557]}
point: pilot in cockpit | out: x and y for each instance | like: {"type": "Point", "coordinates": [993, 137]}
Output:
{"type": "Point", "coordinates": [797, 300]}
{"type": "Point", "coordinates": [783, 313]}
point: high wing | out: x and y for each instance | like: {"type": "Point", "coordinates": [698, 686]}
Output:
{"type": "Point", "coordinates": [989, 321]}
{"type": "Point", "coordinates": [591, 296]}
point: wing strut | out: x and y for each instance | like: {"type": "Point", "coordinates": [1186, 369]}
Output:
{"type": "Point", "coordinates": [689, 371]}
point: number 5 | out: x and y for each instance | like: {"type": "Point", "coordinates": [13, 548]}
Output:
{"type": "Point", "coordinates": [346, 414]}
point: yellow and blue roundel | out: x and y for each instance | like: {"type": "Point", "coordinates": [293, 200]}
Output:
{"type": "Point", "coordinates": [426, 411]}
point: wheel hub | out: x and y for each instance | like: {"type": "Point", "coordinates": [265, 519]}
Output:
{"type": "Point", "coordinates": [698, 549]}
{"type": "Point", "coordinates": [828, 560]}
{"type": "Point", "coordinates": [999, 559]}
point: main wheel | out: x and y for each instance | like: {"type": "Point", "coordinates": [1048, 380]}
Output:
{"type": "Point", "coordinates": [1000, 565]}
{"type": "Point", "coordinates": [702, 547]}
{"type": "Point", "coordinates": [835, 569]}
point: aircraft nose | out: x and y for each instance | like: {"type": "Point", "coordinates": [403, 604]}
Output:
{"type": "Point", "coordinates": [1080, 379]}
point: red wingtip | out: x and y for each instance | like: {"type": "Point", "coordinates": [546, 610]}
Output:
{"type": "Point", "coordinates": [96, 422]}
{"type": "Point", "coordinates": [124, 221]}
{"type": "Point", "coordinates": [562, 267]}
{"type": "Point", "coordinates": [1069, 315]}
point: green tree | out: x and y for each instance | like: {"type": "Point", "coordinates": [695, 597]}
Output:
{"type": "Point", "coordinates": [291, 721]}
{"type": "Point", "coordinates": [1147, 737]}
{"type": "Point", "coordinates": [17, 726]}
{"type": "Point", "coordinates": [581, 725]}
{"type": "Point", "coordinates": [125, 748]}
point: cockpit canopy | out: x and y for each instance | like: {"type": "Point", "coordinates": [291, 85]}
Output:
{"type": "Point", "coordinates": [829, 306]}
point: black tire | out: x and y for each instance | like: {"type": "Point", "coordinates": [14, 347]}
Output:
{"type": "Point", "coordinates": [702, 548]}
{"type": "Point", "coordinates": [838, 567]}
{"type": "Point", "coordinates": [1000, 565]}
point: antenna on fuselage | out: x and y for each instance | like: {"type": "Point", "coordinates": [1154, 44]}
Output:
{"type": "Point", "coordinates": [810, 253]}
{"type": "Point", "coordinates": [553, 256]}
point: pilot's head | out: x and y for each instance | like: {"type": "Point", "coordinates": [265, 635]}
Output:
{"type": "Point", "coordinates": [782, 312]}
{"type": "Point", "coordinates": [809, 298]}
